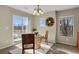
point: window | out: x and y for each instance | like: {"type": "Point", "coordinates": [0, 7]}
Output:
{"type": "Point", "coordinates": [20, 25]}
{"type": "Point", "coordinates": [25, 24]}
{"type": "Point", "coordinates": [66, 26]}
{"type": "Point", "coordinates": [42, 22]}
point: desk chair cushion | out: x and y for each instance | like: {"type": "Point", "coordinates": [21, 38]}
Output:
{"type": "Point", "coordinates": [27, 46]}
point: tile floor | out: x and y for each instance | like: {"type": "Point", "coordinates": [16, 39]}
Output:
{"type": "Point", "coordinates": [63, 49]}
{"type": "Point", "coordinates": [55, 49]}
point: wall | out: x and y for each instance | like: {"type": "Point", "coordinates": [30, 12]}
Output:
{"type": "Point", "coordinates": [71, 12]}
{"type": "Point", "coordinates": [51, 30]}
{"type": "Point", "coordinates": [6, 25]}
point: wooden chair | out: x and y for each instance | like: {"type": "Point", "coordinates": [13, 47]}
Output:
{"type": "Point", "coordinates": [28, 42]}
{"type": "Point", "coordinates": [45, 37]}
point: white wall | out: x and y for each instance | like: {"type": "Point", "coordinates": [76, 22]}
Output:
{"type": "Point", "coordinates": [70, 12]}
{"type": "Point", "coordinates": [51, 30]}
{"type": "Point", "coordinates": [5, 21]}
{"type": "Point", "coordinates": [6, 25]}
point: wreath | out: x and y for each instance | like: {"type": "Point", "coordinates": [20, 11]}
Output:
{"type": "Point", "coordinates": [49, 21]}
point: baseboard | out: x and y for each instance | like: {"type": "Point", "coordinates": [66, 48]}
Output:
{"type": "Point", "coordinates": [6, 46]}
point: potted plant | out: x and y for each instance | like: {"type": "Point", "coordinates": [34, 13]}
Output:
{"type": "Point", "coordinates": [34, 30]}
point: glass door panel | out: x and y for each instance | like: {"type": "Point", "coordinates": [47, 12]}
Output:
{"type": "Point", "coordinates": [17, 27]}
{"type": "Point", "coordinates": [25, 25]}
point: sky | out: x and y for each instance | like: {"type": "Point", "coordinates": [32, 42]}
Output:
{"type": "Point", "coordinates": [20, 20]}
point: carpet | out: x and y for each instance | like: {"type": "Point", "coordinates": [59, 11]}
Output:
{"type": "Point", "coordinates": [42, 50]}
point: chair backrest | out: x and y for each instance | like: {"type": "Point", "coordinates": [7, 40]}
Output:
{"type": "Point", "coordinates": [27, 38]}
{"type": "Point", "coordinates": [46, 35]}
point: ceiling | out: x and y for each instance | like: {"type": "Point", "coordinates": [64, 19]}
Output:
{"type": "Point", "coordinates": [46, 8]}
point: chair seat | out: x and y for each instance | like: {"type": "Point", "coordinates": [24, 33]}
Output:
{"type": "Point", "coordinates": [27, 46]}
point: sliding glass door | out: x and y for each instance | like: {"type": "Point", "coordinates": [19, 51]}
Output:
{"type": "Point", "coordinates": [20, 26]}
